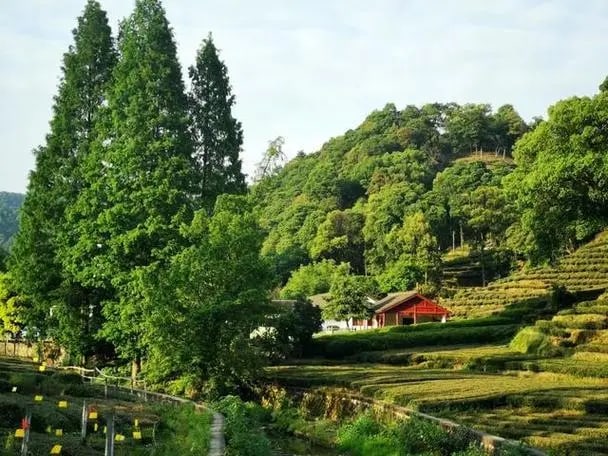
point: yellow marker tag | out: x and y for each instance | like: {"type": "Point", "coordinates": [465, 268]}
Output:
{"type": "Point", "coordinates": [14, 389]}
{"type": "Point", "coordinates": [119, 438]}
{"type": "Point", "coordinates": [38, 398]}
{"type": "Point", "coordinates": [56, 449]}
{"type": "Point", "coordinates": [63, 404]}
{"type": "Point", "coordinates": [42, 368]}
{"type": "Point", "coordinates": [58, 432]}
{"type": "Point", "coordinates": [105, 429]}
{"type": "Point", "coordinates": [20, 433]}
{"type": "Point", "coordinates": [35, 359]}
{"type": "Point", "coordinates": [49, 429]}
{"type": "Point", "coordinates": [92, 415]}
{"type": "Point", "coordinates": [137, 435]}
{"type": "Point", "coordinates": [136, 422]}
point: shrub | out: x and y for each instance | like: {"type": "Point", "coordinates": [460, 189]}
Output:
{"type": "Point", "coordinates": [531, 340]}
{"type": "Point", "coordinates": [366, 437]}
{"type": "Point", "coordinates": [183, 430]}
{"type": "Point", "coordinates": [342, 345]}
{"type": "Point", "coordinates": [244, 436]}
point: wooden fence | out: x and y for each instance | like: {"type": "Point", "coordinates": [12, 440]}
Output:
{"type": "Point", "coordinates": [47, 351]}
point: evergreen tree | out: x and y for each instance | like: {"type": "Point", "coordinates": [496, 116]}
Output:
{"type": "Point", "coordinates": [217, 134]}
{"type": "Point", "coordinates": [140, 177]}
{"type": "Point", "coordinates": [55, 183]}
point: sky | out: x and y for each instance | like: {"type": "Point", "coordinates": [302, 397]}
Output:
{"type": "Point", "coordinates": [309, 70]}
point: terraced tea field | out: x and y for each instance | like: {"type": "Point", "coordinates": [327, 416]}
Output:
{"type": "Point", "coordinates": [585, 269]}
{"type": "Point", "coordinates": [558, 412]}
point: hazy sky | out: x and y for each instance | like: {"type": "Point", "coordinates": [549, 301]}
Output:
{"type": "Point", "coordinates": [311, 69]}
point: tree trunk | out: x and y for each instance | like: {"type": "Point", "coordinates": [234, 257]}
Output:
{"type": "Point", "coordinates": [461, 235]}
{"type": "Point", "coordinates": [135, 368]}
{"type": "Point", "coordinates": [453, 240]}
{"type": "Point", "coordinates": [483, 265]}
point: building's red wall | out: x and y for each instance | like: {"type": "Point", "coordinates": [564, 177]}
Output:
{"type": "Point", "coordinates": [420, 306]}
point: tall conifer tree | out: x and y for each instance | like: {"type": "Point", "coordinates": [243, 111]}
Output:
{"type": "Point", "coordinates": [55, 183]}
{"type": "Point", "coordinates": [217, 134]}
{"type": "Point", "coordinates": [140, 176]}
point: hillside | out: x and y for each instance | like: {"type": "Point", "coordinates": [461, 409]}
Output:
{"type": "Point", "coordinates": [586, 269]}
{"type": "Point", "coordinates": [351, 200]}
{"type": "Point", "coordinates": [9, 214]}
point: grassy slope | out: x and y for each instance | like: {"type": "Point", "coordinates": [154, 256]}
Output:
{"type": "Point", "coordinates": [166, 429]}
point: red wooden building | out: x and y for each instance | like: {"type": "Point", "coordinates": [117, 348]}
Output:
{"type": "Point", "coordinates": [407, 308]}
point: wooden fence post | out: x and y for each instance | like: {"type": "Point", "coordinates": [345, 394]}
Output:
{"type": "Point", "coordinates": [85, 420]}
{"type": "Point", "coordinates": [110, 436]}
{"type": "Point", "coordinates": [26, 437]}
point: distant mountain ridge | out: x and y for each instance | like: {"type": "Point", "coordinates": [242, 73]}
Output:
{"type": "Point", "coordinates": [10, 203]}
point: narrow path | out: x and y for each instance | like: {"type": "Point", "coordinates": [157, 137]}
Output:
{"type": "Point", "coordinates": [218, 444]}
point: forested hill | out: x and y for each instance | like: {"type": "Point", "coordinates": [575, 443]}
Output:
{"type": "Point", "coordinates": [410, 172]}
{"type": "Point", "coordinates": [9, 211]}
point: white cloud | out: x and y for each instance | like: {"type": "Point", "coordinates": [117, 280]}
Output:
{"type": "Point", "coordinates": [311, 70]}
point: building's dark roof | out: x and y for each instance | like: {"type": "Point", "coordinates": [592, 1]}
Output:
{"type": "Point", "coordinates": [393, 299]}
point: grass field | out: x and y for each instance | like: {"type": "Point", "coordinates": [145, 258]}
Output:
{"type": "Point", "coordinates": [165, 429]}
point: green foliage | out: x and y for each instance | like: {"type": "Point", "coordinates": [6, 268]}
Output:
{"type": "Point", "coordinates": [11, 306]}
{"type": "Point", "coordinates": [416, 255]}
{"type": "Point", "coordinates": [218, 136]}
{"type": "Point", "coordinates": [216, 293]}
{"type": "Point", "coordinates": [339, 238]}
{"type": "Point", "coordinates": [9, 212]}
{"type": "Point", "coordinates": [559, 185]}
{"type": "Point", "coordinates": [531, 340]}
{"type": "Point", "coordinates": [183, 430]}
{"type": "Point", "coordinates": [273, 159]}
{"type": "Point", "coordinates": [312, 279]}
{"type": "Point", "coordinates": [244, 436]}
{"type": "Point", "coordinates": [362, 185]}
{"type": "Point", "coordinates": [294, 328]}
{"type": "Point", "coordinates": [54, 185]}
{"type": "Point", "coordinates": [348, 297]}
{"type": "Point", "coordinates": [367, 437]}
{"type": "Point", "coordinates": [455, 332]}
{"type": "Point", "coordinates": [139, 178]}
